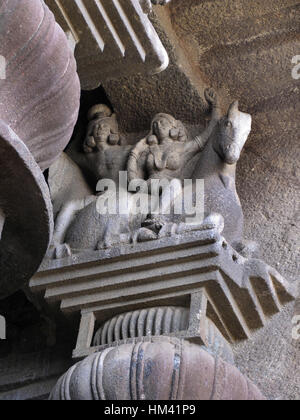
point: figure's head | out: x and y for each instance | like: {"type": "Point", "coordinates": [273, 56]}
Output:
{"type": "Point", "coordinates": [108, 130]}
{"type": "Point", "coordinates": [103, 128]}
{"type": "Point", "coordinates": [99, 111]}
{"type": "Point", "coordinates": [233, 132]}
{"type": "Point", "coordinates": [164, 126]}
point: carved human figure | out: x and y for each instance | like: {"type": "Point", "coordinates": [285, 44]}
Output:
{"type": "Point", "coordinates": [105, 150]}
{"type": "Point", "coordinates": [165, 152]}
{"type": "Point", "coordinates": [105, 155]}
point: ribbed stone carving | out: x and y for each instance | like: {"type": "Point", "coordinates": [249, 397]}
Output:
{"type": "Point", "coordinates": [142, 323]}
{"type": "Point", "coordinates": [160, 369]}
{"type": "Point", "coordinates": [26, 220]}
{"type": "Point", "coordinates": [39, 103]}
{"type": "Point", "coordinates": [114, 38]}
{"type": "Point", "coordinates": [40, 89]}
{"type": "Point", "coordinates": [163, 320]}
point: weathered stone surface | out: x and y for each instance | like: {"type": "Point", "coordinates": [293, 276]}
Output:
{"type": "Point", "coordinates": [66, 183]}
{"type": "Point", "coordinates": [164, 320]}
{"type": "Point", "coordinates": [112, 38]}
{"type": "Point", "coordinates": [39, 96]}
{"type": "Point", "coordinates": [160, 369]}
{"type": "Point", "coordinates": [221, 37]}
{"type": "Point", "coordinates": [27, 210]}
{"type": "Point", "coordinates": [240, 46]}
{"type": "Point", "coordinates": [241, 294]}
{"type": "Point", "coordinates": [30, 361]}
{"type": "Point", "coordinates": [271, 358]}
{"type": "Point", "coordinates": [32, 375]}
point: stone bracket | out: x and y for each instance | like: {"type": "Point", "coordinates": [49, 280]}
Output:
{"type": "Point", "coordinates": [199, 270]}
{"type": "Point", "coordinates": [196, 331]}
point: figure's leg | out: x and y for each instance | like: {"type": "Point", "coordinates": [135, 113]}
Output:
{"type": "Point", "coordinates": [62, 223]}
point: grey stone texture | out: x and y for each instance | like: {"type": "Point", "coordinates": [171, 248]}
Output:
{"type": "Point", "coordinates": [40, 92]}
{"type": "Point", "coordinates": [110, 38]}
{"type": "Point", "coordinates": [245, 50]}
{"type": "Point", "coordinates": [198, 270]}
{"type": "Point", "coordinates": [157, 369]}
{"type": "Point", "coordinates": [26, 213]}
{"type": "Point", "coordinates": [30, 360]}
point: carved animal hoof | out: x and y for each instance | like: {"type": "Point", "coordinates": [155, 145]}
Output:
{"type": "Point", "coordinates": [62, 251]}
{"type": "Point", "coordinates": [145, 235]}
{"type": "Point", "coordinates": [169, 229]}
{"type": "Point", "coordinates": [153, 223]}
{"type": "Point", "coordinates": [214, 221]}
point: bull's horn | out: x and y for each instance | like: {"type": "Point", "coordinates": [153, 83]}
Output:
{"type": "Point", "coordinates": [233, 109]}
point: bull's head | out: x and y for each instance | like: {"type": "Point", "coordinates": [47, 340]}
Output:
{"type": "Point", "coordinates": [233, 132]}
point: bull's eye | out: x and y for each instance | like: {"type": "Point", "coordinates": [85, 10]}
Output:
{"type": "Point", "coordinates": [228, 124]}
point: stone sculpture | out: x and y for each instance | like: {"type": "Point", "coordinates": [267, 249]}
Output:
{"type": "Point", "coordinates": [199, 282]}
{"type": "Point", "coordinates": [221, 146]}
{"type": "Point", "coordinates": [163, 154]}
{"type": "Point", "coordinates": [217, 166]}
{"type": "Point", "coordinates": [106, 152]}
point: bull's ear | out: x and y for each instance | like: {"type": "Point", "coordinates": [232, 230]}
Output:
{"type": "Point", "coordinates": [233, 110]}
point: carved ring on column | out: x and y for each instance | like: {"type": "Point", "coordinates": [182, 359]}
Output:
{"type": "Point", "coordinates": [160, 368]}
{"type": "Point", "coordinates": [26, 210]}
{"type": "Point", "coordinates": [39, 103]}
{"type": "Point", "coordinates": [39, 87]}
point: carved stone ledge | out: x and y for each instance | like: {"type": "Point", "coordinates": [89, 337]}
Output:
{"type": "Point", "coordinates": [199, 269]}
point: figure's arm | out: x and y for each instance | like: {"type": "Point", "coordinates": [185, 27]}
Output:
{"type": "Point", "coordinates": [89, 142]}
{"type": "Point", "coordinates": [199, 142]}
{"type": "Point", "coordinates": [132, 166]}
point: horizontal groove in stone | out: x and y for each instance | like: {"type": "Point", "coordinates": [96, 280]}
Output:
{"type": "Point", "coordinates": [131, 278]}
{"type": "Point", "coordinates": [114, 267]}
